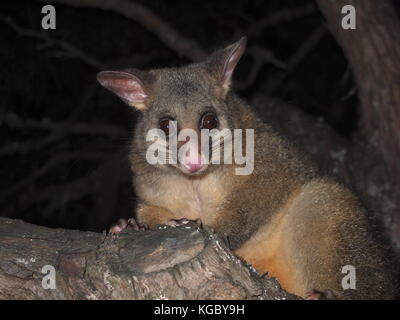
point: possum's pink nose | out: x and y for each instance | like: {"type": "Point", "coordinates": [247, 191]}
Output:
{"type": "Point", "coordinates": [194, 164]}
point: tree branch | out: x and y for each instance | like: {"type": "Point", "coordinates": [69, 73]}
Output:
{"type": "Point", "coordinates": [155, 24]}
{"type": "Point", "coordinates": [170, 263]}
{"type": "Point", "coordinates": [67, 48]}
{"type": "Point", "coordinates": [281, 16]}
{"type": "Point", "coordinates": [373, 51]}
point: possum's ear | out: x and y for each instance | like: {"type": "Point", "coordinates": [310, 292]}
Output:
{"type": "Point", "coordinates": [222, 63]}
{"type": "Point", "coordinates": [126, 86]}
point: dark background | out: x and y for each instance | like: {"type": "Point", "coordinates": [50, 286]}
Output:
{"type": "Point", "coordinates": [64, 139]}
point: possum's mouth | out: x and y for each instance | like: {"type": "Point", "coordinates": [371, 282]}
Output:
{"type": "Point", "coordinates": [189, 172]}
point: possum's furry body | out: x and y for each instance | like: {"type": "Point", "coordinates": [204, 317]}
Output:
{"type": "Point", "coordinates": [284, 218]}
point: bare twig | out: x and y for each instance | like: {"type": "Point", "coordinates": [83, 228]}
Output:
{"type": "Point", "coordinates": [69, 49]}
{"type": "Point", "coordinates": [58, 131]}
{"type": "Point", "coordinates": [155, 24]}
{"type": "Point", "coordinates": [12, 148]}
{"type": "Point", "coordinates": [62, 195]}
{"type": "Point", "coordinates": [261, 56]}
{"type": "Point", "coordinates": [281, 16]}
{"type": "Point", "coordinates": [302, 52]}
{"type": "Point", "coordinates": [53, 163]}
{"type": "Point", "coordinates": [14, 121]}
{"type": "Point", "coordinates": [307, 47]}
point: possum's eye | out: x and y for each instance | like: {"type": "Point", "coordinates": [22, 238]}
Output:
{"type": "Point", "coordinates": [168, 125]}
{"type": "Point", "coordinates": [209, 121]}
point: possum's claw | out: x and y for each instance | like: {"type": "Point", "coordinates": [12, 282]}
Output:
{"type": "Point", "coordinates": [123, 224]}
{"type": "Point", "coordinates": [117, 228]}
{"type": "Point", "coordinates": [132, 223]}
{"type": "Point", "coordinates": [181, 222]}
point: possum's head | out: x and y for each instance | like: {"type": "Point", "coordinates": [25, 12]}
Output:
{"type": "Point", "coordinates": [174, 100]}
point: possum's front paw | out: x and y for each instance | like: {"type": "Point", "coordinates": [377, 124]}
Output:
{"type": "Point", "coordinates": [182, 222]}
{"type": "Point", "coordinates": [123, 224]}
{"type": "Point", "coordinates": [320, 295]}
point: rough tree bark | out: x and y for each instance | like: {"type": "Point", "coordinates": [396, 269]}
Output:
{"type": "Point", "coordinates": [373, 51]}
{"type": "Point", "coordinates": [170, 263]}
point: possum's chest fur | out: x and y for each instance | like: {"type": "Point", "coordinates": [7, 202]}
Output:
{"type": "Point", "coordinates": [191, 198]}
